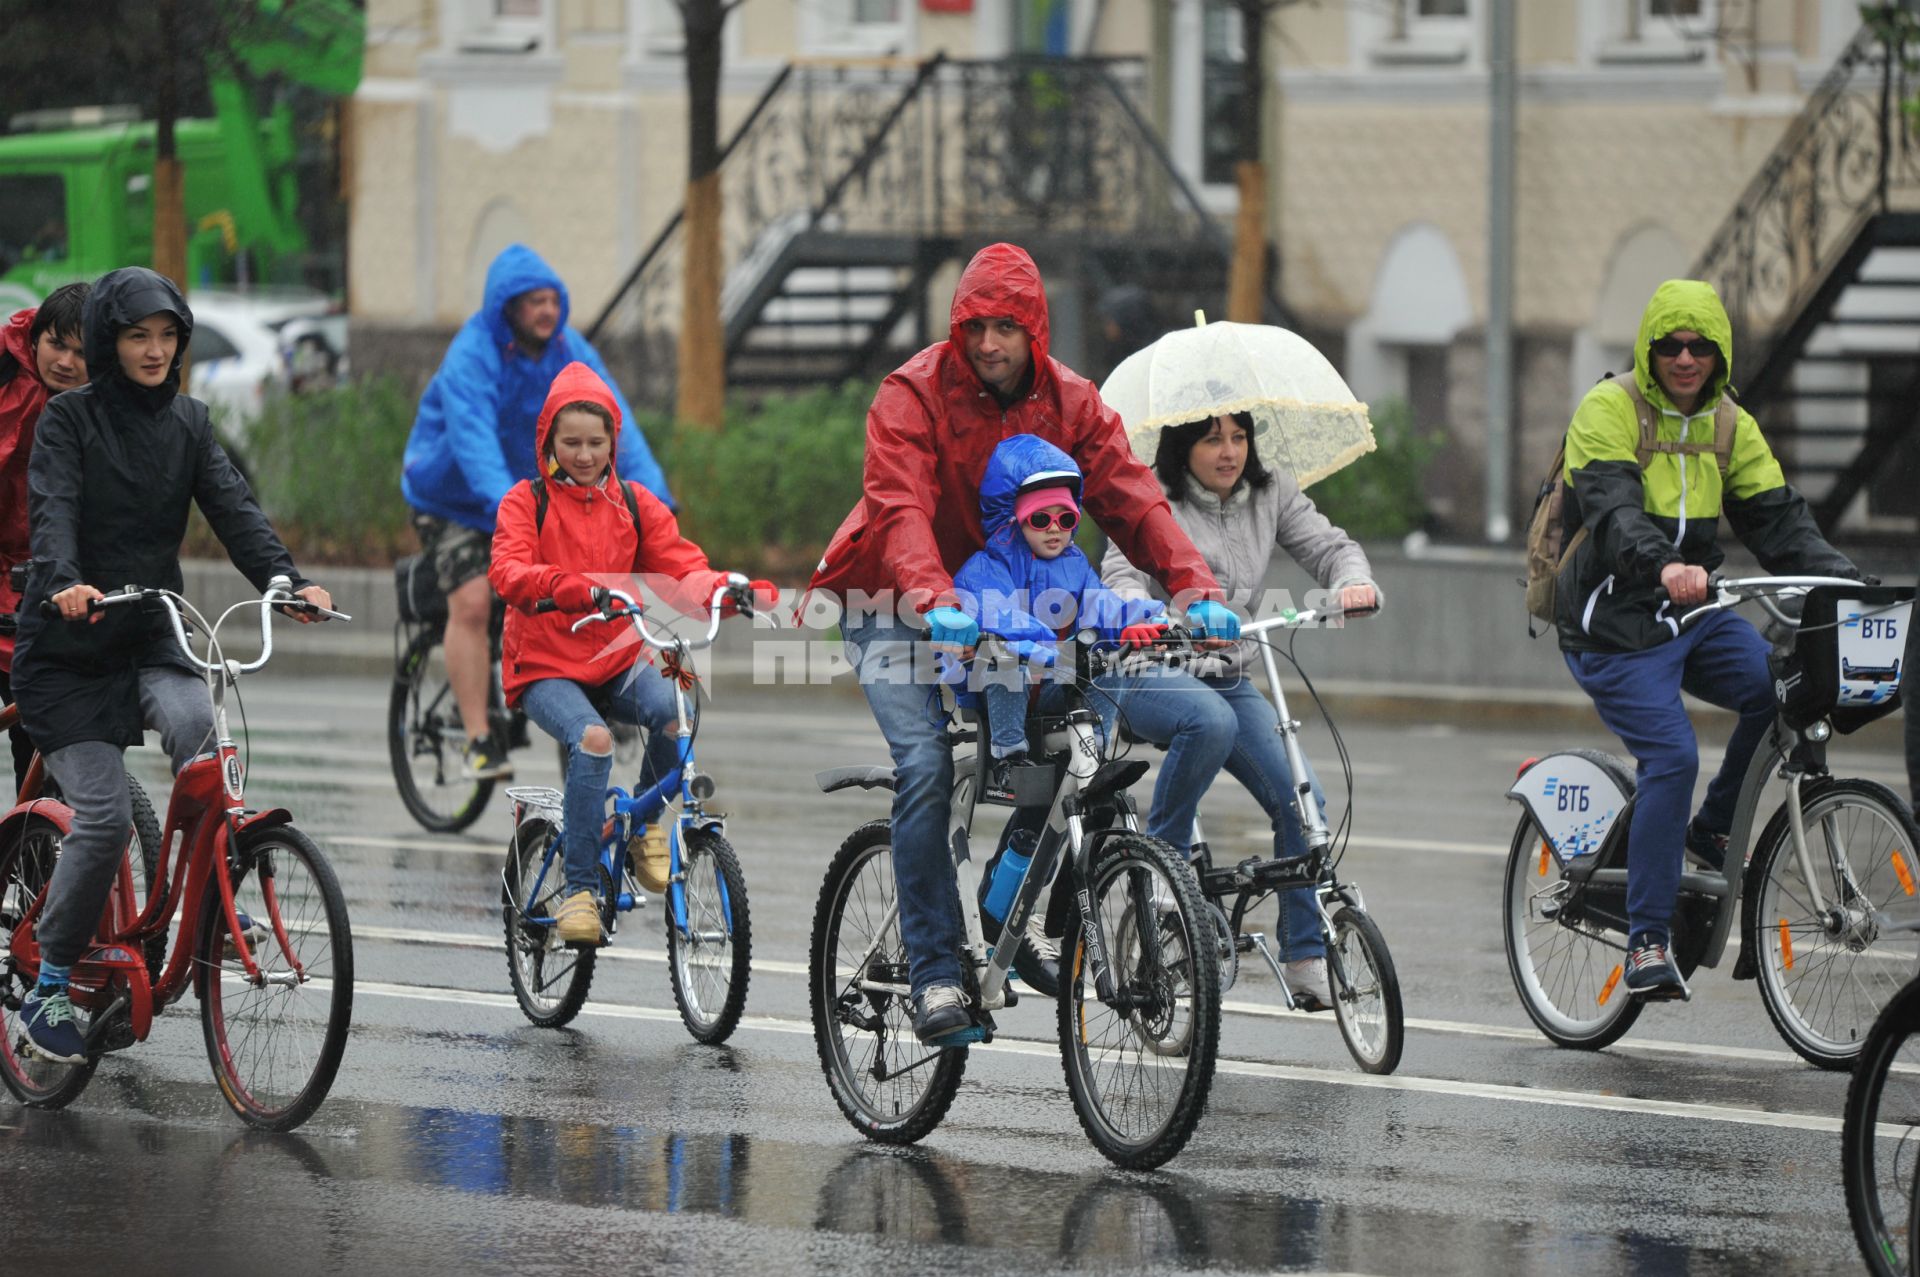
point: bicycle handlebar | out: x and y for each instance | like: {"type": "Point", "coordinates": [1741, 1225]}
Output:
{"type": "Point", "coordinates": [735, 586]}
{"type": "Point", "coordinates": [1733, 591]}
{"type": "Point", "coordinates": [279, 594]}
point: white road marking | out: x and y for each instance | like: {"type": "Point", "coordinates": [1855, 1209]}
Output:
{"type": "Point", "coordinates": [1239, 1068]}
{"type": "Point", "coordinates": [1234, 1006]}
{"type": "Point", "coordinates": [1377, 842]}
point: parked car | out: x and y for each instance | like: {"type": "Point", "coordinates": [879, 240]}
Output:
{"type": "Point", "coordinates": [249, 345]}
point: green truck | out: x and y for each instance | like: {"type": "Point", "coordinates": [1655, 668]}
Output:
{"type": "Point", "coordinates": [77, 201]}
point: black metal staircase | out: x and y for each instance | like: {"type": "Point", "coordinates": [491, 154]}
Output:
{"type": "Point", "coordinates": [1819, 264]}
{"type": "Point", "coordinates": [849, 188]}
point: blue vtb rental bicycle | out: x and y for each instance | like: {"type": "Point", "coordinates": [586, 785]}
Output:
{"type": "Point", "coordinates": [709, 938]}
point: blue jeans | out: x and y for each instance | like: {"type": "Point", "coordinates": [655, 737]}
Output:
{"type": "Point", "coordinates": [1205, 725]}
{"type": "Point", "coordinates": [1008, 707]}
{"type": "Point", "coordinates": [565, 710]}
{"type": "Point", "coordinates": [896, 675]}
{"type": "Point", "coordinates": [1722, 660]}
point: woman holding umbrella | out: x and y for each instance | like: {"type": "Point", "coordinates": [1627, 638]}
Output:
{"type": "Point", "coordinates": [1235, 420]}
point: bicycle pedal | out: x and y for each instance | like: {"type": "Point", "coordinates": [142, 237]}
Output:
{"type": "Point", "coordinates": [972, 1035]}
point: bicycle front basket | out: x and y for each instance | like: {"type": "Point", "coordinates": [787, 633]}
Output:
{"type": "Point", "coordinates": [1845, 663]}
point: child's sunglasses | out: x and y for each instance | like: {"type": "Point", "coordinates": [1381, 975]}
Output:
{"type": "Point", "coordinates": [1670, 347]}
{"type": "Point", "coordinates": [1040, 520]}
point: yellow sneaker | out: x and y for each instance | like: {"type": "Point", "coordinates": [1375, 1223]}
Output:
{"type": "Point", "coordinates": [578, 919]}
{"type": "Point", "coordinates": [652, 858]}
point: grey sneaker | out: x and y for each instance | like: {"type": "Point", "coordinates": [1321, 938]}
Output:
{"type": "Point", "coordinates": [940, 1011]}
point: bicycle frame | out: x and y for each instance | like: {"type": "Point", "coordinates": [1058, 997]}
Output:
{"type": "Point", "coordinates": [1798, 756]}
{"type": "Point", "coordinates": [206, 814]}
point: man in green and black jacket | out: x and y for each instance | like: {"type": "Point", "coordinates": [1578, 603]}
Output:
{"type": "Point", "coordinates": [1652, 537]}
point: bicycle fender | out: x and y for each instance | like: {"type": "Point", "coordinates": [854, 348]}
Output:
{"type": "Point", "coordinates": [271, 818]}
{"type": "Point", "coordinates": [867, 777]}
{"type": "Point", "coordinates": [1574, 797]}
{"type": "Point", "coordinates": [52, 809]}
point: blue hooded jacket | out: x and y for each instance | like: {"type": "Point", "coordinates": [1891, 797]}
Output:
{"type": "Point", "coordinates": [472, 439]}
{"type": "Point", "coordinates": [1002, 584]}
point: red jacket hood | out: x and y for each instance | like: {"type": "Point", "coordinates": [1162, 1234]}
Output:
{"type": "Point", "coordinates": [575, 383]}
{"type": "Point", "coordinates": [14, 339]}
{"type": "Point", "coordinates": [1002, 280]}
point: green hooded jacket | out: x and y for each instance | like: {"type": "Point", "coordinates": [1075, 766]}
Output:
{"type": "Point", "coordinates": [1608, 596]}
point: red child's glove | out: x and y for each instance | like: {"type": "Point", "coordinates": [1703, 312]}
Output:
{"type": "Point", "coordinates": [765, 596]}
{"type": "Point", "coordinates": [574, 593]}
{"type": "Point", "coordinates": [1143, 634]}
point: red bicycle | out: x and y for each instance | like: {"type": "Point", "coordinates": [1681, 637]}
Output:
{"type": "Point", "coordinates": [263, 939]}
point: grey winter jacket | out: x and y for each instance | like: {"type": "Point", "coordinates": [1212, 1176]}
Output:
{"type": "Point", "coordinates": [1236, 537]}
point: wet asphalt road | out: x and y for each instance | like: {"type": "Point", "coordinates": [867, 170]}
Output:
{"type": "Point", "coordinates": [460, 1139]}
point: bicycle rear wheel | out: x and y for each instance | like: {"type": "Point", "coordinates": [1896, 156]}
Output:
{"type": "Point", "coordinates": [709, 958]}
{"type": "Point", "coordinates": [1566, 950]}
{"type": "Point", "coordinates": [26, 865]}
{"type": "Point", "coordinates": [275, 1044]}
{"type": "Point", "coordinates": [1366, 991]}
{"type": "Point", "coordinates": [426, 742]}
{"type": "Point", "coordinates": [892, 1088]}
{"type": "Point", "coordinates": [1880, 1137]}
{"type": "Point", "coordinates": [550, 978]}
{"type": "Point", "coordinates": [1139, 1066]}
{"type": "Point", "coordinates": [1827, 968]}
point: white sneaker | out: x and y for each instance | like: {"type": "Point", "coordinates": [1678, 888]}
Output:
{"type": "Point", "coordinates": [1307, 981]}
{"type": "Point", "coordinates": [1039, 943]}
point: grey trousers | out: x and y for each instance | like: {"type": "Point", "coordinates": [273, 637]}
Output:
{"type": "Point", "coordinates": [93, 781]}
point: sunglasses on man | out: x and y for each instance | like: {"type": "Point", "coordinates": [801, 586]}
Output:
{"type": "Point", "coordinates": [1041, 520]}
{"type": "Point", "coordinates": [1670, 347]}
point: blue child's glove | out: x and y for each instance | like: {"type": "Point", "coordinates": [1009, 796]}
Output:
{"type": "Point", "coordinates": [1209, 619]}
{"type": "Point", "coordinates": [950, 627]}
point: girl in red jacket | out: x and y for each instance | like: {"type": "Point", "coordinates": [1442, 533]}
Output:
{"type": "Point", "coordinates": [588, 531]}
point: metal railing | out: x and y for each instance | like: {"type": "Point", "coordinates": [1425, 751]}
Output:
{"type": "Point", "coordinates": [956, 150]}
{"type": "Point", "coordinates": [1851, 151]}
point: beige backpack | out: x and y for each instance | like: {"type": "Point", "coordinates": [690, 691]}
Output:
{"type": "Point", "coordinates": [1548, 546]}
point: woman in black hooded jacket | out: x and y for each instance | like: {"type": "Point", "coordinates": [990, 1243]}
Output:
{"type": "Point", "coordinates": [115, 465]}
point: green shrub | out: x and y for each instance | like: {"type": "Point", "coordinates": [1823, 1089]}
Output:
{"type": "Point", "coordinates": [1380, 494]}
{"type": "Point", "coordinates": [766, 493]}
{"type": "Point", "coordinates": [326, 468]}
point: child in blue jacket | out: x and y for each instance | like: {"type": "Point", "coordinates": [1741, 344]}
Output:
{"type": "Point", "coordinates": [1031, 585]}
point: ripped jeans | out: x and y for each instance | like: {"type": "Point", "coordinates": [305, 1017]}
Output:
{"type": "Point", "coordinates": [565, 710]}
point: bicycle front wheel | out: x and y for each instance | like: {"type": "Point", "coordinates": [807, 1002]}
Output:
{"type": "Point", "coordinates": [1880, 1138]}
{"type": "Point", "coordinates": [550, 978]}
{"type": "Point", "coordinates": [1827, 963]}
{"type": "Point", "coordinates": [1366, 991]}
{"type": "Point", "coordinates": [1566, 947]}
{"type": "Point", "coordinates": [892, 1088]}
{"type": "Point", "coordinates": [709, 938]}
{"type": "Point", "coordinates": [26, 865]}
{"type": "Point", "coordinates": [426, 742]}
{"type": "Point", "coordinates": [275, 1042]}
{"type": "Point", "coordinates": [1139, 1062]}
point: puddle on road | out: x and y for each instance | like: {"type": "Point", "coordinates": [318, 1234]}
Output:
{"type": "Point", "coordinates": [176, 1153]}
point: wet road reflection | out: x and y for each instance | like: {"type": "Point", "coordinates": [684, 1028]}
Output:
{"type": "Point", "coordinates": [465, 1188]}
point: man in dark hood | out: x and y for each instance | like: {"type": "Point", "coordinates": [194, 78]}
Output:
{"type": "Point", "coordinates": [933, 426]}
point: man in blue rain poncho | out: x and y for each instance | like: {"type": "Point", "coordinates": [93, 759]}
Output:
{"type": "Point", "coordinates": [473, 440]}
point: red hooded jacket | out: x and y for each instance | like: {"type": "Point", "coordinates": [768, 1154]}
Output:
{"type": "Point", "coordinates": [588, 531]}
{"type": "Point", "coordinates": [934, 424]}
{"type": "Point", "coordinates": [21, 400]}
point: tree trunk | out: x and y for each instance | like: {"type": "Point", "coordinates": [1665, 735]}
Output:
{"type": "Point", "coordinates": [169, 180]}
{"type": "Point", "coordinates": [703, 352]}
{"type": "Point", "coordinates": [1247, 278]}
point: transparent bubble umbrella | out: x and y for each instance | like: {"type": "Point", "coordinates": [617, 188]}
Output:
{"type": "Point", "coordinates": [1305, 419]}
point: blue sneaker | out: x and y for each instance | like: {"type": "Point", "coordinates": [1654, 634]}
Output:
{"type": "Point", "coordinates": [1706, 848]}
{"type": "Point", "coordinates": [1651, 973]}
{"type": "Point", "coordinates": [52, 1031]}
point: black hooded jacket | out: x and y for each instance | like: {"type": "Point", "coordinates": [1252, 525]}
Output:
{"type": "Point", "coordinates": [114, 467]}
